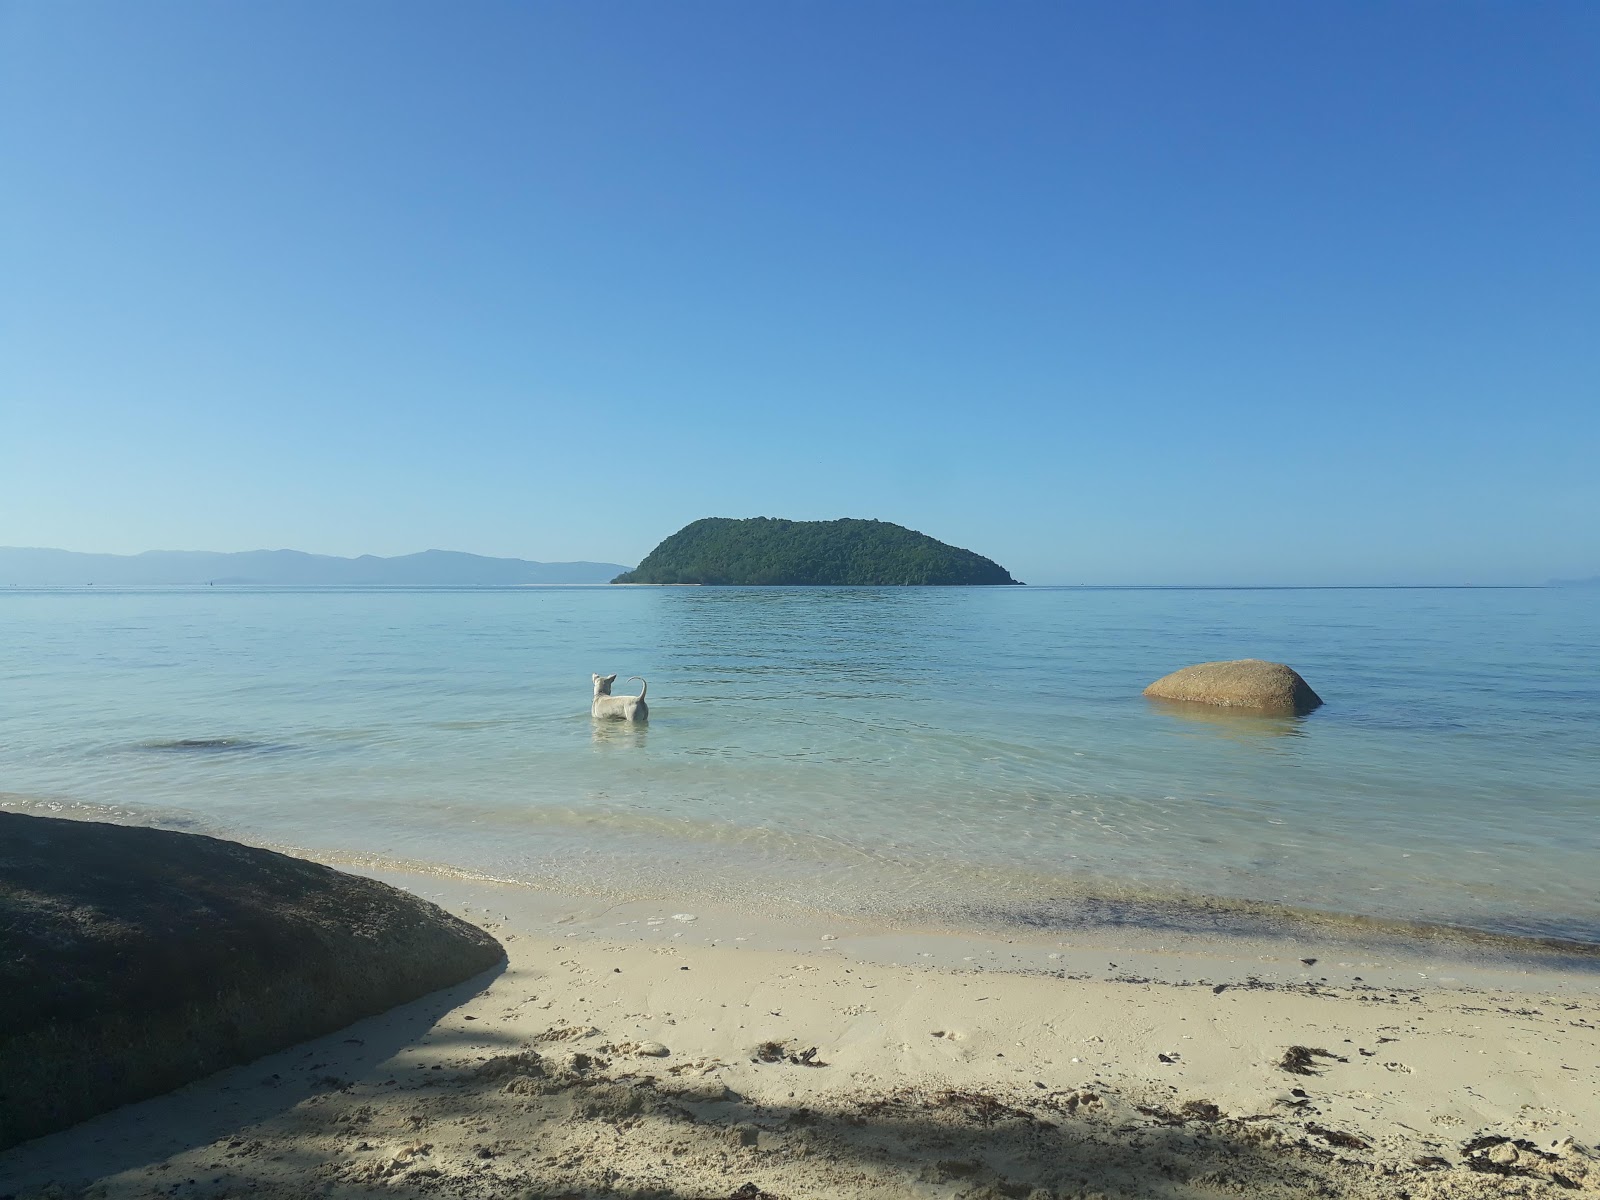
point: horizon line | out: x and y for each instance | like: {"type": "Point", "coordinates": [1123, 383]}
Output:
{"type": "Point", "coordinates": [1075, 587]}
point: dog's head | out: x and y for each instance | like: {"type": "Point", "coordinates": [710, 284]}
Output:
{"type": "Point", "coordinates": [602, 684]}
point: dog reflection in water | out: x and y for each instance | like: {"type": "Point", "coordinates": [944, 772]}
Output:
{"type": "Point", "coordinates": [618, 708]}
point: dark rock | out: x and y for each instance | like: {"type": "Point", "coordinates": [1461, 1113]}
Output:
{"type": "Point", "coordinates": [135, 960]}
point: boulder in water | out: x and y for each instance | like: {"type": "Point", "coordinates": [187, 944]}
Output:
{"type": "Point", "coordinates": [135, 960]}
{"type": "Point", "coordinates": [1249, 683]}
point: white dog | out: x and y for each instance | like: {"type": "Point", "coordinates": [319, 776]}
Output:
{"type": "Point", "coordinates": [622, 708]}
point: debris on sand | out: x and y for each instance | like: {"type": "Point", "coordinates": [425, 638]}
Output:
{"type": "Point", "coordinates": [1192, 1110]}
{"type": "Point", "coordinates": [1301, 1060]}
{"type": "Point", "coordinates": [1337, 1137]}
{"type": "Point", "coordinates": [980, 1107]}
{"type": "Point", "coordinates": [777, 1052]}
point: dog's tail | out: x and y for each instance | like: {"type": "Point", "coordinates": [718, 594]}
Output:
{"type": "Point", "coordinates": [643, 686]}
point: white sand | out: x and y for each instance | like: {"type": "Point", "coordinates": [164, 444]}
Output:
{"type": "Point", "coordinates": [954, 1066]}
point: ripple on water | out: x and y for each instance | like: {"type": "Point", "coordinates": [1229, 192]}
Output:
{"type": "Point", "coordinates": [985, 753]}
{"type": "Point", "coordinates": [211, 745]}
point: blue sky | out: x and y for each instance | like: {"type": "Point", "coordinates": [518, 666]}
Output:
{"type": "Point", "coordinates": [1111, 292]}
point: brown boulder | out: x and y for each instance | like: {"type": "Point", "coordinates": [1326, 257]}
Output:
{"type": "Point", "coordinates": [134, 960]}
{"type": "Point", "coordinates": [1242, 683]}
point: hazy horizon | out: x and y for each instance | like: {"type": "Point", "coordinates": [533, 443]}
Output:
{"type": "Point", "coordinates": [50, 567]}
{"type": "Point", "coordinates": [1240, 294]}
{"type": "Point", "coordinates": [596, 560]}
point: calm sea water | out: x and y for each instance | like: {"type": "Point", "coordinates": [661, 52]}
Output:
{"type": "Point", "coordinates": [963, 752]}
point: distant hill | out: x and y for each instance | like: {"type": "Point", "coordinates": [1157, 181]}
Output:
{"type": "Point", "coordinates": [770, 551]}
{"type": "Point", "coordinates": [1592, 581]}
{"type": "Point", "coordinates": [45, 568]}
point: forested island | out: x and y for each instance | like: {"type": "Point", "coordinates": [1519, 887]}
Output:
{"type": "Point", "coordinates": [769, 551]}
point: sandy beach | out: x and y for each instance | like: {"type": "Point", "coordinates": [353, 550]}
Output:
{"type": "Point", "coordinates": [631, 1050]}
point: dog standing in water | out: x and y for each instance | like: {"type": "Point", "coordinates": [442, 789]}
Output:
{"type": "Point", "coordinates": [621, 708]}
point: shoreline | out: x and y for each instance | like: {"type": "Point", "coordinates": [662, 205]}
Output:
{"type": "Point", "coordinates": [1274, 956]}
{"type": "Point", "coordinates": [956, 1064]}
{"type": "Point", "coordinates": [1105, 917]}
{"type": "Point", "coordinates": [1024, 904]}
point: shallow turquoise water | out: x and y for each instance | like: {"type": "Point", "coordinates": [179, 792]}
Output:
{"type": "Point", "coordinates": [888, 750]}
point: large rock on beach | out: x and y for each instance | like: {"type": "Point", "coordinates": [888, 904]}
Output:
{"type": "Point", "coordinates": [1249, 683]}
{"type": "Point", "coordinates": [135, 960]}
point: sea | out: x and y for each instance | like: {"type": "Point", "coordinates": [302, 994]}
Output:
{"type": "Point", "coordinates": [971, 757]}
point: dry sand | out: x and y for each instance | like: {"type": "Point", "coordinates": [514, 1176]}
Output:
{"type": "Point", "coordinates": [627, 1050]}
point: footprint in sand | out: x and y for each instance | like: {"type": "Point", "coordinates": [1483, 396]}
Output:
{"type": "Point", "coordinates": [1399, 1068]}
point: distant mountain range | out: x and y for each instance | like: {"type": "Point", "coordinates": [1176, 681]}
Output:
{"type": "Point", "coordinates": [50, 568]}
{"type": "Point", "coordinates": [1592, 581]}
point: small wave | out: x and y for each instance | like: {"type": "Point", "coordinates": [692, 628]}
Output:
{"type": "Point", "coordinates": [1548, 942]}
{"type": "Point", "coordinates": [217, 745]}
{"type": "Point", "coordinates": [70, 809]}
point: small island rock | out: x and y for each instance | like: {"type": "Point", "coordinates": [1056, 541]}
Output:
{"type": "Point", "coordinates": [1250, 683]}
{"type": "Point", "coordinates": [772, 552]}
{"type": "Point", "coordinates": [134, 960]}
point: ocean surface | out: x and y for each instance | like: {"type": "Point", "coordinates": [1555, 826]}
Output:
{"type": "Point", "coordinates": [974, 756]}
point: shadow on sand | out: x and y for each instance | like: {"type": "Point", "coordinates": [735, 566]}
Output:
{"type": "Point", "coordinates": [211, 1108]}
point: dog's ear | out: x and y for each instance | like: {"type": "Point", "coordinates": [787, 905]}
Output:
{"type": "Point", "coordinates": [611, 678]}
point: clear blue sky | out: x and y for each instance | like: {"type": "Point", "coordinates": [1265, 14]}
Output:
{"type": "Point", "coordinates": [1111, 292]}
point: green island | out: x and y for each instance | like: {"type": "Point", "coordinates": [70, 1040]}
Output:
{"type": "Point", "coordinates": [771, 552]}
